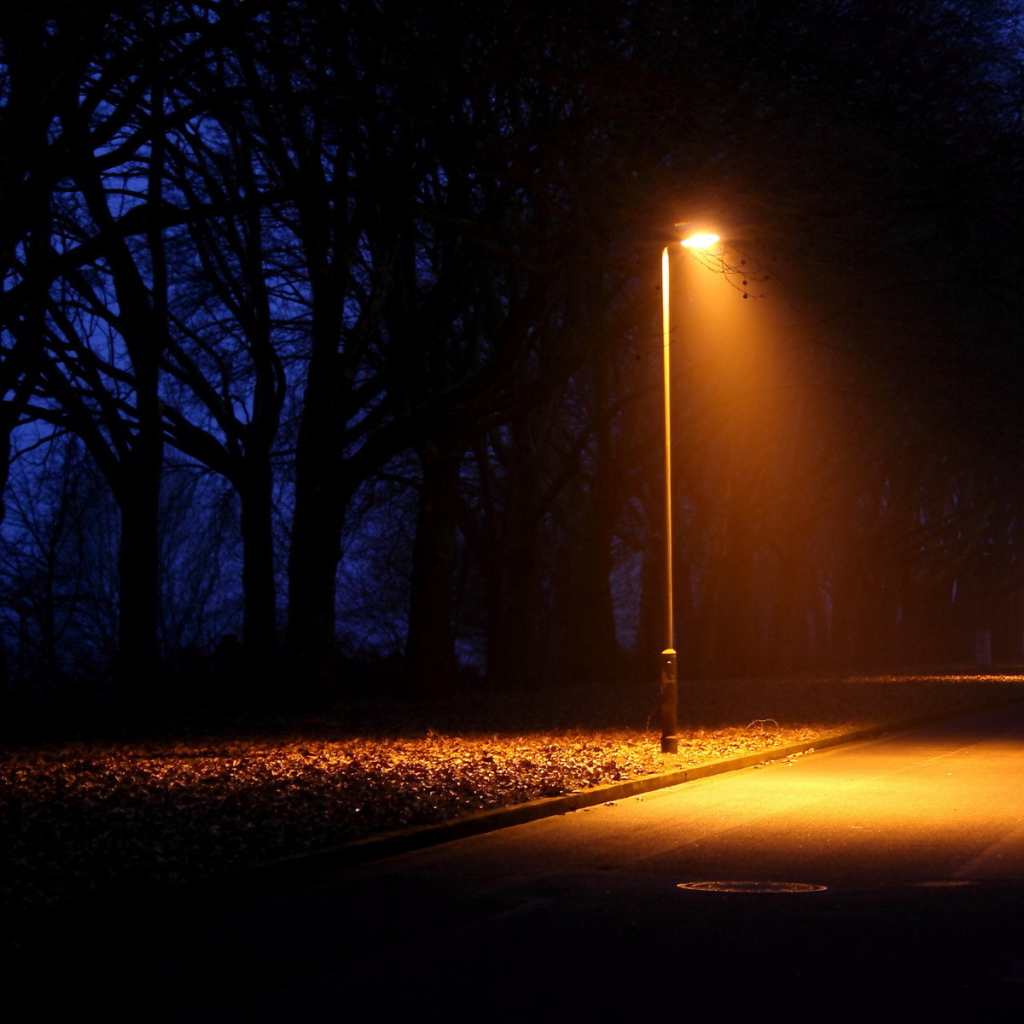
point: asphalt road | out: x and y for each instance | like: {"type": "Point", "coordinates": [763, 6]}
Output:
{"type": "Point", "coordinates": [911, 849]}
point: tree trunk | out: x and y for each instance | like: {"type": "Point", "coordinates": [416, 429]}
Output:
{"type": "Point", "coordinates": [259, 614]}
{"type": "Point", "coordinates": [584, 645]}
{"type": "Point", "coordinates": [312, 575]}
{"type": "Point", "coordinates": [515, 659]}
{"type": "Point", "coordinates": [321, 498]}
{"type": "Point", "coordinates": [650, 635]}
{"type": "Point", "coordinates": [431, 663]}
{"type": "Point", "coordinates": [138, 498]}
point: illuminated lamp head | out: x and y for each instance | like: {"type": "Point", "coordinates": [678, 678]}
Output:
{"type": "Point", "coordinates": [699, 240]}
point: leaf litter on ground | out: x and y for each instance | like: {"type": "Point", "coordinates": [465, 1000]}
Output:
{"type": "Point", "coordinates": [91, 817]}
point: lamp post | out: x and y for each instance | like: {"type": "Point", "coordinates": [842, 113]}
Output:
{"type": "Point", "coordinates": [669, 674]}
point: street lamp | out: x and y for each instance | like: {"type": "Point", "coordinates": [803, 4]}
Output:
{"type": "Point", "coordinates": [669, 677]}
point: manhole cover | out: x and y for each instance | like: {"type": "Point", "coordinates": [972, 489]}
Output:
{"type": "Point", "coordinates": [752, 886]}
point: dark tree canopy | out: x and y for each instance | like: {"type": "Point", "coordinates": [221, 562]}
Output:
{"type": "Point", "coordinates": [381, 283]}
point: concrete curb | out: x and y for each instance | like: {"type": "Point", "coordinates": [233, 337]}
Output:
{"type": "Point", "coordinates": [299, 869]}
{"type": "Point", "coordinates": [408, 840]}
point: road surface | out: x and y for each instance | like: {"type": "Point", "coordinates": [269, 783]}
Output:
{"type": "Point", "coordinates": [882, 880]}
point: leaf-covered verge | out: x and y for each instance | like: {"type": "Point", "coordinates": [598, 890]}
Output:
{"type": "Point", "coordinates": [97, 817]}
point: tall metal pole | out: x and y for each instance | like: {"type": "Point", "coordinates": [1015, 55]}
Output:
{"type": "Point", "coordinates": [669, 684]}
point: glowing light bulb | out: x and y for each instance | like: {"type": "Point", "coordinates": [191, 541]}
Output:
{"type": "Point", "coordinates": [703, 240]}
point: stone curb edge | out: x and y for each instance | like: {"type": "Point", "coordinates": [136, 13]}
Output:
{"type": "Point", "coordinates": [408, 840]}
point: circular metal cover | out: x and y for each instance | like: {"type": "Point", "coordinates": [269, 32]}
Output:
{"type": "Point", "coordinates": [753, 886]}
